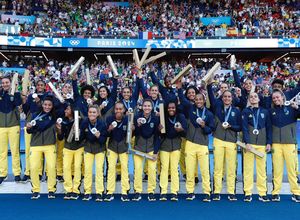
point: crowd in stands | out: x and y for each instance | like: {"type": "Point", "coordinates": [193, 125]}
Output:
{"type": "Point", "coordinates": [163, 19]}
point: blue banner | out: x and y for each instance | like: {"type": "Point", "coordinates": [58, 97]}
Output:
{"type": "Point", "coordinates": [20, 18]}
{"type": "Point", "coordinates": [215, 20]}
{"type": "Point", "coordinates": [140, 43]}
{"type": "Point", "coordinates": [116, 4]}
{"type": "Point", "coordinates": [12, 69]}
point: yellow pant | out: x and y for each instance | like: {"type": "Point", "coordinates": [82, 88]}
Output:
{"type": "Point", "coordinates": [138, 173]}
{"type": "Point", "coordinates": [193, 153]}
{"type": "Point", "coordinates": [169, 160]}
{"type": "Point", "coordinates": [72, 157]}
{"type": "Point", "coordinates": [59, 160]}
{"type": "Point", "coordinates": [88, 172]}
{"type": "Point", "coordinates": [27, 152]}
{"type": "Point", "coordinates": [182, 159]}
{"type": "Point", "coordinates": [248, 171]}
{"type": "Point", "coordinates": [36, 153]}
{"type": "Point", "coordinates": [224, 151]}
{"type": "Point", "coordinates": [112, 158]}
{"type": "Point", "coordinates": [10, 135]}
{"type": "Point", "coordinates": [158, 166]}
{"type": "Point", "coordinates": [297, 161]}
{"type": "Point", "coordinates": [281, 153]}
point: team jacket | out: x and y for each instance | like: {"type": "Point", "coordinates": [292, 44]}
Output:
{"type": "Point", "coordinates": [31, 106]}
{"type": "Point", "coordinates": [168, 94]}
{"type": "Point", "coordinates": [283, 120]}
{"type": "Point", "coordinates": [9, 114]}
{"type": "Point", "coordinates": [147, 135]}
{"type": "Point", "coordinates": [66, 127]}
{"type": "Point", "coordinates": [79, 102]}
{"type": "Point", "coordinates": [264, 126]}
{"type": "Point", "coordinates": [171, 141]}
{"type": "Point", "coordinates": [108, 109]}
{"type": "Point", "coordinates": [92, 144]}
{"type": "Point", "coordinates": [132, 102]}
{"type": "Point", "coordinates": [117, 137]}
{"type": "Point", "coordinates": [43, 133]}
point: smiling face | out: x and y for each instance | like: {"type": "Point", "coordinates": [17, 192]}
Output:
{"type": "Point", "coordinates": [223, 87]}
{"type": "Point", "coordinates": [277, 86]}
{"type": "Point", "coordinates": [126, 93]}
{"type": "Point", "coordinates": [253, 98]}
{"type": "Point", "coordinates": [199, 100]}
{"type": "Point", "coordinates": [40, 87]}
{"type": "Point", "coordinates": [119, 111]}
{"type": "Point", "coordinates": [103, 93]}
{"type": "Point", "coordinates": [87, 94]}
{"type": "Point", "coordinates": [172, 109]}
{"type": "Point", "coordinates": [147, 107]}
{"type": "Point", "coordinates": [191, 94]}
{"type": "Point", "coordinates": [93, 113]}
{"type": "Point", "coordinates": [248, 85]}
{"type": "Point", "coordinates": [154, 92]}
{"type": "Point", "coordinates": [47, 106]}
{"type": "Point", "coordinates": [67, 89]}
{"type": "Point", "coordinates": [277, 98]}
{"type": "Point", "coordinates": [227, 98]}
{"type": "Point", "coordinates": [68, 112]}
{"type": "Point", "coordinates": [5, 84]}
{"type": "Point", "coordinates": [168, 81]}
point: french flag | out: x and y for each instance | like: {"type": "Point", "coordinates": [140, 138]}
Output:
{"type": "Point", "coordinates": [145, 35]}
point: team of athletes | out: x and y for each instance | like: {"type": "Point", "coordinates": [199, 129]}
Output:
{"type": "Point", "coordinates": [265, 123]}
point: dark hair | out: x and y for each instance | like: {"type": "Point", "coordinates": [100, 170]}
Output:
{"type": "Point", "coordinates": [148, 100]}
{"type": "Point", "coordinates": [51, 99]}
{"type": "Point", "coordinates": [107, 90]}
{"type": "Point", "coordinates": [167, 106]}
{"type": "Point", "coordinates": [277, 81]}
{"type": "Point", "coordinates": [87, 87]}
{"type": "Point", "coordinates": [191, 87]}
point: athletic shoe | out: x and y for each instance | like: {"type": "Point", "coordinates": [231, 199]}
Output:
{"type": "Point", "coordinates": [174, 197]}
{"type": "Point", "coordinates": [247, 198]}
{"type": "Point", "coordinates": [264, 198]}
{"type": "Point", "coordinates": [67, 196]}
{"type": "Point", "coordinates": [125, 198]}
{"type": "Point", "coordinates": [275, 198]}
{"type": "Point", "coordinates": [18, 179]}
{"type": "Point", "coordinates": [232, 197]}
{"type": "Point", "coordinates": [145, 177]}
{"type": "Point", "coordinates": [74, 196]}
{"type": "Point", "coordinates": [99, 198]}
{"type": "Point", "coordinates": [151, 197]}
{"type": "Point", "coordinates": [87, 197]}
{"type": "Point", "coordinates": [60, 179]}
{"type": "Point", "coordinates": [2, 178]}
{"type": "Point", "coordinates": [206, 198]}
{"type": "Point", "coordinates": [184, 176]}
{"type": "Point", "coordinates": [118, 178]}
{"type": "Point", "coordinates": [190, 197]}
{"type": "Point", "coordinates": [163, 197]}
{"type": "Point", "coordinates": [51, 195]}
{"type": "Point", "coordinates": [109, 198]}
{"type": "Point", "coordinates": [25, 179]}
{"type": "Point", "coordinates": [216, 197]}
{"type": "Point", "coordinates": [296, 198]}
{"type": "Point", "coordinates": [196, 180]}
{"type": "Point", "coordinates": [137, 197]}
{"type": "Point", "coordinates": [35, 195]}
{"type": "Point", "coordinates": [298, 179]}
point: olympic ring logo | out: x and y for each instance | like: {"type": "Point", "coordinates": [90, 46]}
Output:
{"type": "Point", "coordinates": [74, 42]}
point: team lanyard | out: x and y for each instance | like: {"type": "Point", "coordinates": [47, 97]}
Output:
{"type": "Point", "coordinates": [203, 113]}
{"type": "Point", "coordinates": [255, 119]}
{"type": "Point", "coordinates": [40, 116]}
{"type": "Point", "coordinates": [155, 104]}
{"type": "Point", "coordinates": [228, 114]}
{"type": "Point", "coordinates": [127, 104]}
{"type": "Point", "coordinates": [148, 119]}
{"type": "Point", "coordinates": [90, 128]}
{"type": "Point", "coordinates": [172, 121]}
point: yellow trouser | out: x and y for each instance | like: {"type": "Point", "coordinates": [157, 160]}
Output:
{"type": "Point", "coordinates": [227, 151]}
{"type": "Point", "coordinates": [297, 161]}
{"type": "Point", "coordinates": [112, 158]}
{"type": "Point", "coordinates": [71, 157]}
{"type": "Point", "coordinates": [261, 173]}
{"type": "Point", "coordinates": [169, 160]}
{"type": "Point", "coordinates": [11, 135]}
{"type": "Point", "coordinates": [36, 153]}
{"type": "Point", "coordinates": [158, 166]}
{"type": "Point", "coordinates": [138, 173]}
{"type": "Point", "coordinates": [281, 153]}
{"type": "Point", "coordinates": [59, 160]}
{"type": "Point", "coordinates": [88, 172]}
{"type": "Point", "coordinates": [193, 153]}
{"type": "Point", "coordinates": [182, 159]}
{"type": "Point", "coordinates": [27, 152]}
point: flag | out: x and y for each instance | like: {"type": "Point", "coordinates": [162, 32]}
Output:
{"type": "Point", "coordinates": [145, 35]}
{"type": "Point", "coordinates": [179, 35]}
